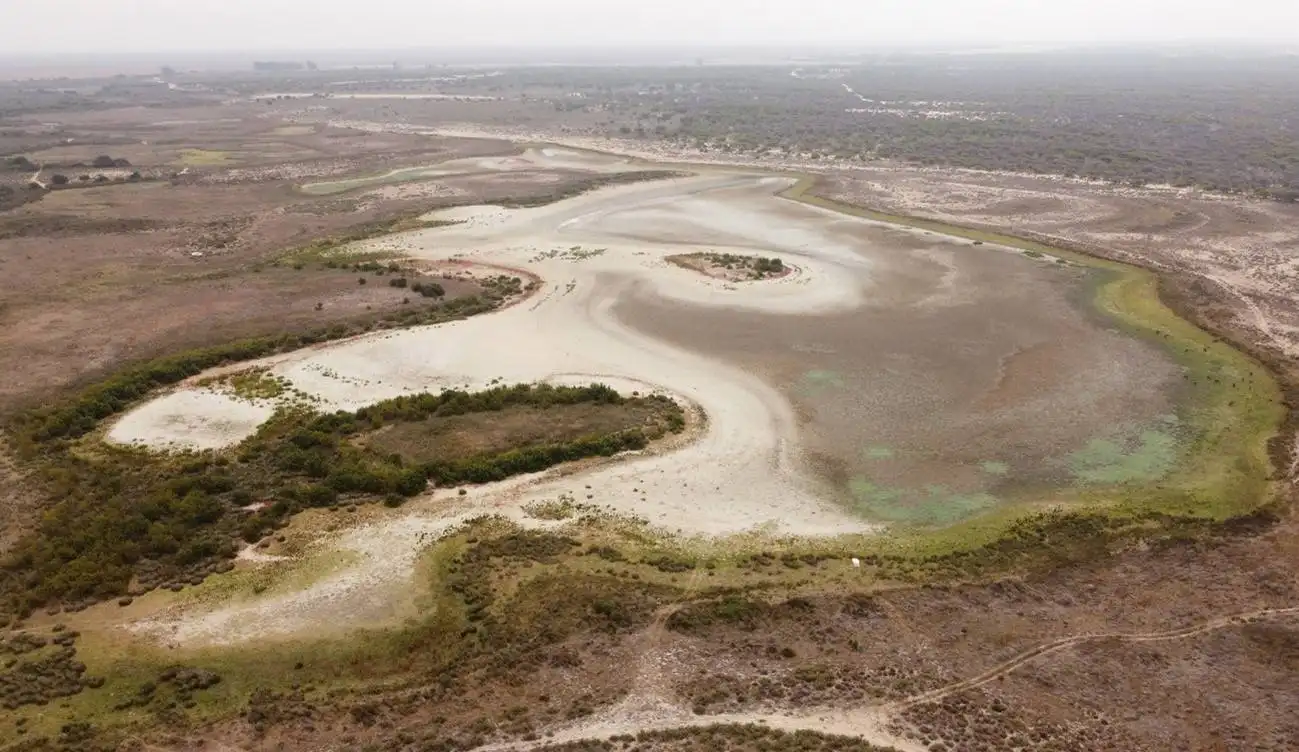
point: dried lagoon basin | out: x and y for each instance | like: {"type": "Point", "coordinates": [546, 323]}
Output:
{"type": "Point", "coordinates": [970, 376]}
{"type": "Point", "coordinates": [896, 376]}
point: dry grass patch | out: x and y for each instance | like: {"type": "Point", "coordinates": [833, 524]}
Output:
{"type": "Point", "coordinates": [522, 426]}
{"type": "Point", "coordinates": [204, 158]}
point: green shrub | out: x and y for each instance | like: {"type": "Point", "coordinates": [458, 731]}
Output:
{"type": "Point", "coordinates": [429, 289]}
{"type": "Point", "coordinates": [122, 514]}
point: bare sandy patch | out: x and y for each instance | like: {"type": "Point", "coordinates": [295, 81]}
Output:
{"type": "Point", "coordinates": [365, 593]}
{"type": "Point", "coordinates": [193, 419]}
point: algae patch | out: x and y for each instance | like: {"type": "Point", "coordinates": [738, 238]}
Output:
{"type": "Point", "coordinates": [928, 506]}
{"type": "Point", "coordinates": [1149, 456]}
{"type": "Point", "coordinates": [993, 467]}
{"type": "Point", "coordinates": [878, 452]}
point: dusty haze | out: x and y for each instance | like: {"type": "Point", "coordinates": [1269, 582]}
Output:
{"type": "Point", "coordinates": [132, 26]}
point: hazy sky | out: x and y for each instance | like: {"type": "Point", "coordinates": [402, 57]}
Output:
{"type": "Point", "coordinates": [176, 25]}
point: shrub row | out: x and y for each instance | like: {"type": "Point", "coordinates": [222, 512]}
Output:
{"type": "Point", "coordinates": [533, 459]}
{"type": "Point", "coordinates": [122, 515]}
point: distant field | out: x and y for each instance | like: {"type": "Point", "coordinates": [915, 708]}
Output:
{"type": "Point", "coordinates": [205, 158]}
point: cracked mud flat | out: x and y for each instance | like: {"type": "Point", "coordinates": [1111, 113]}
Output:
{"type": "Point", "coordinates": [748, 469]}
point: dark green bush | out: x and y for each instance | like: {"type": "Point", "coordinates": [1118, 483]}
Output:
{"type": "Point", "coordinates": [429, 289]}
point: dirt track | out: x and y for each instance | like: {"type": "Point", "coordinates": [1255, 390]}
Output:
{"type": "Point", "coordinates": [649, 708]}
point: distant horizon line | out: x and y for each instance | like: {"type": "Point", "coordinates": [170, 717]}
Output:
{"type": "Point", "coordinates": [863, 47]}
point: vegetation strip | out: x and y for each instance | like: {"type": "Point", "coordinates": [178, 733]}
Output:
{"type": "Point", "coordinates": [124, 515]}
{"type": "Point", "coordinates": [728, 265]}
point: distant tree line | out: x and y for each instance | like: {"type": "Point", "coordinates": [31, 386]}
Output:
{"type": "Point", "coordinates": [1222, 124]}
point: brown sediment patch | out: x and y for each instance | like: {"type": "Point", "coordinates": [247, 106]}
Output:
{"type": "Point", "coordinates": [1027, 371]}
{"type": "Point", "coordinates": [960, 357]}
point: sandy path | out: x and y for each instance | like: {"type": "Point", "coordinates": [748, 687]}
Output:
{"type": "Point", "coordinates": [652, 706]}
{"type": "Point", "coordinates": [1065, 643]}
{"type": "Point", "coordinates": [369, 591]}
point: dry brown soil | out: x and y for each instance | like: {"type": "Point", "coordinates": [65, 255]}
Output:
{"type": "Point", "coordinates": [464, 436]}
{"type": "Point", "coordinates": [99, 275]}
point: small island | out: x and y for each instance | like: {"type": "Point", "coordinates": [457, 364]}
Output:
{"type": "Point", "coordinates": [732, 267]}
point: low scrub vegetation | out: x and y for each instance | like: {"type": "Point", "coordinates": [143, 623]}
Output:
{"type": "Point", "coordinates": [252, 384]}
{"type": "Point", "coordinates": [121, 516]}
{"type": "Point", "coordinates": [13, 196]}
{"type": "Point", "coordinates": [334, 252]}
{"type": "Point", "coordinates": [981, 722]}
{"type": "Point", "coordinates": [39, 669]}
{"type": "Point", "coordinates": [732, 266]}
{"type": "Point", "coordinates": [735, 611]}
{"type": "Point", "coordinates": [18, 163]}
{"type": "Point", "coordinates": [522, 426]}
{"type": "Point", "coordinates": [68, 225]}
{"type": "Point", "coordinates": [736, 738]}
{"type": "Point", "coordinates": [1137, 118]}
